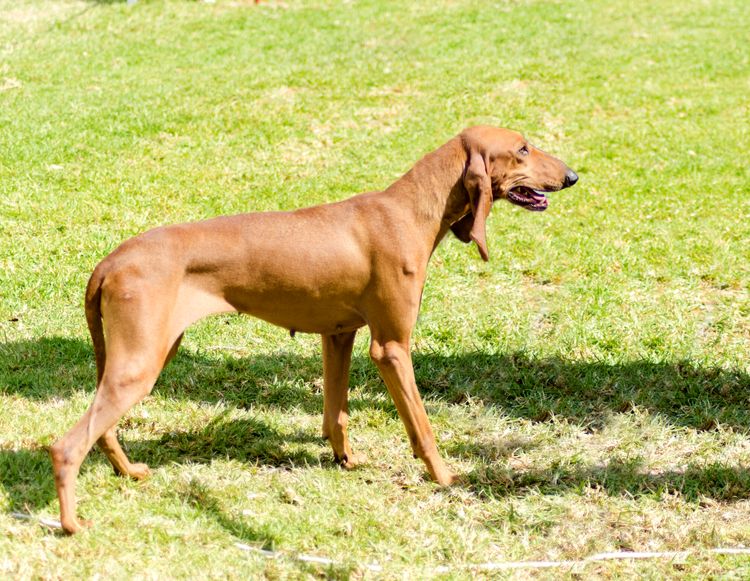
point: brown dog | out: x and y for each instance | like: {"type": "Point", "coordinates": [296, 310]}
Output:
{"type": "Point", "coordinates": [329, 269]}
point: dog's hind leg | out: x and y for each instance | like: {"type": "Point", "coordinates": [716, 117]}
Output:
{"type": "Point", "coordinates": [139, 338]}
{"type": "Point", "coordinates": [111, 447]}
{"type": "Point", "coordinates": [123, 385]}
{"type": "Point", "coordinates": [144, 323]}
{"type": "Point", "coordinates": [123, 466]}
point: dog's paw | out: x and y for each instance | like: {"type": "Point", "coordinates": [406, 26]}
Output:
{"type": "Point", "coordinates": [139, 471]}
{"type": "Point", "coordinates": [447, 479]}
{"type": "Point", "coordinates": [77, 525]}
{"type": "Point", "coordinates": [351, 461]}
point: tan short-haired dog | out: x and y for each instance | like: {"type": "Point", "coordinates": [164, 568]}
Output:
{"type": "Point", "coordinates": [329, 269]}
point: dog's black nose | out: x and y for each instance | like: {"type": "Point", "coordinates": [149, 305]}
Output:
{"type": "Point", "coordinates": [571, 178]}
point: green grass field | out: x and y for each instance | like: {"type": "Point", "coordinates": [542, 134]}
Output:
{"type": "Point", "coordinates": [591, 382]}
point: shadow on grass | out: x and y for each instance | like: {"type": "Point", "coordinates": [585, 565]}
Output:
{"type": "Point", "coordinates": [585, 392]}
{"type": "Point", "coordinates": [26, 475]}
{"type": "Point", "coordinates": [26, 479]}
{"type": "Point", "coordinates": [201, 498]}
{"type": "Point", "coordinates": [58, 367]}
{"type": "Point", "coordinates": [580, 391]}
{"type": "Point", "coordinates": [715, 481]}
{"type": "Point", "coordinates": [246, 440]}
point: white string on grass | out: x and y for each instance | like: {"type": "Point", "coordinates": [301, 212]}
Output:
{"type": "Point", "coordinates": [47, 522]}
{"type": "Point", "coordinates": [678, 556]}
{"type": "Point", "coordinates": [299, 557]}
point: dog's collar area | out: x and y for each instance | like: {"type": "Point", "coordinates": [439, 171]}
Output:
{"type": "Point", "coordinates": [529, 198]}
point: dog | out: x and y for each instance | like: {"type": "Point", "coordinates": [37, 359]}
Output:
{"type": "Point", "coordinates": [329, 269]}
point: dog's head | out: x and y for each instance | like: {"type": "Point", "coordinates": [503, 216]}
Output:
{"type": "Point", "coordinates": [502, 164]}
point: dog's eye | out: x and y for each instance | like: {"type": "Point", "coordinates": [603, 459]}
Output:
{"type": "Point", "coordinates": [524, 150]}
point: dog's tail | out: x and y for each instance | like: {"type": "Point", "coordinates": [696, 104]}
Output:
{"type": "Point", "coordinates": [94, 320]}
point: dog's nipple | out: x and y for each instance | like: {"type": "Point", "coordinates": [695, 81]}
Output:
{"type": "Point", "coordinates": [292, 332]}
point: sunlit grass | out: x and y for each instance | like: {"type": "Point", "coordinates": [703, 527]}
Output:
{"type": "Point", "coordinates": [591, 381]}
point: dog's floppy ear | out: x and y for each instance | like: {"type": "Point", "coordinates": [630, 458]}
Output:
{"type": "Point", "coordinates": [478, 185]}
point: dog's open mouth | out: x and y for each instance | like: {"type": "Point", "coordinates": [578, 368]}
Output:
{"type": "Point", "coordinates": [534, 200]}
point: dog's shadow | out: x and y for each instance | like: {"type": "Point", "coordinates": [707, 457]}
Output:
{"type": "Point", "coordinates": [586, 392]}
{"type": "Point", "coordinates": [583, 392]}
{"type": "Point", "coordinates": [246, 439]}
{"type": "Point", "coordinates": [26, 479]}
{"type": "Point", "coordinates": [522, 386]}
{"type": "Point", "coordinates": [716, 481]}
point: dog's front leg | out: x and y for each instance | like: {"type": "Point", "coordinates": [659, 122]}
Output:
{"type": "Point", "coordinates": [337, 356]}
{"type": "Point", "coordinates": [393, 359]}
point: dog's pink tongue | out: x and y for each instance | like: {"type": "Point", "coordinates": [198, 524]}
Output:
{"type": "Point", "coordinates": [540, 200]}
{"type": "Point", "coordinates": [540, 205]}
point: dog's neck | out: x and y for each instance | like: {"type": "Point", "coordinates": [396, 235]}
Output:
{"type": "Point", "coordinates": [433, 190]}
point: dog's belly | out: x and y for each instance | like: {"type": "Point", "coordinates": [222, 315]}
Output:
{"type": "Point", "coordinates": [299, 312]}
{"type": "Point", "coordinates": [331, 324]}
{"type": "Point", "coordinates": [308, 295]}
{"type": "Point", "coordinates": [312, 286]}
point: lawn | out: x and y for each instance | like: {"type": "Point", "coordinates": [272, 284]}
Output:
{"type": "Point", "coordinates": [591, 382]}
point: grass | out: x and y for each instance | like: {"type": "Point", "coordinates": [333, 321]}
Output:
{"type": "Point", "coordinates": [591, 381]}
